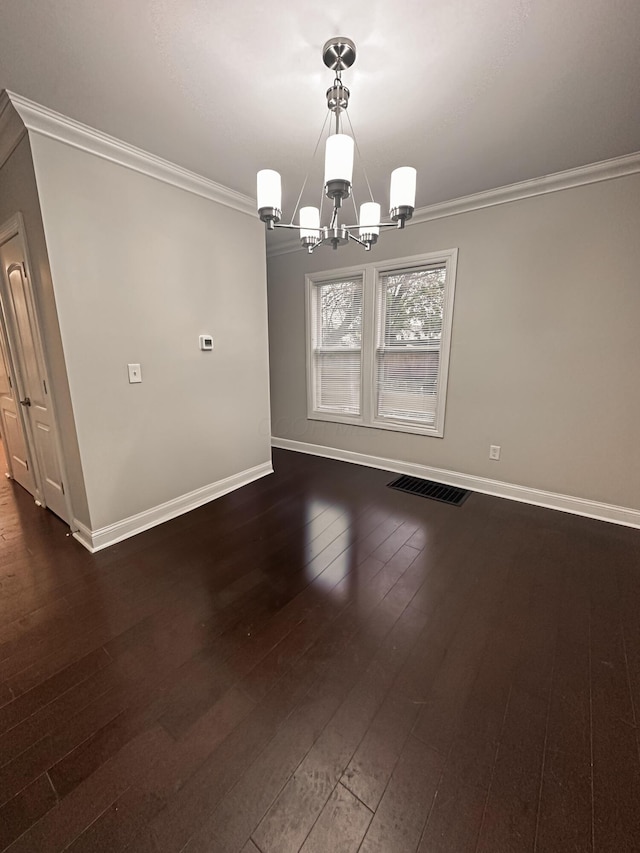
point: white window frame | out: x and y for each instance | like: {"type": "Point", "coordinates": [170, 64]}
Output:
{"type": "Point", "coordinates": [312, 330]}
{"type": "Point", "coordinates": [370, 276]}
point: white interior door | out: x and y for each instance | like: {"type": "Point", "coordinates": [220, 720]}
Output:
{"type": "Point", "coordinates": [30, 382]}
{"type": "Point", "coordinates": [15, 446]}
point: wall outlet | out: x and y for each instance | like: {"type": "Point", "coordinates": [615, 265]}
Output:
{"type": "Point", "coordinates": [135, 373]}
{"type": "Point", "coordinates": [494, 451]}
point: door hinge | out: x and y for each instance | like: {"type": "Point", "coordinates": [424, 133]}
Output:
{"type": "Point", "coordinates": [26, 462]}
{"type": "Point", "coordinates": [44, 382]}
{"type": "Point", "coordinates": [10, 382]}
{"type": "Point", "coordinates": [62, 486]}
{"type": "Point", "coordinates": [24, 269]}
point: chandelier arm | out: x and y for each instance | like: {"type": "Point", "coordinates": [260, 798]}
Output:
{"type": "Point", "coordinates": [375, 225]}
{"type": "Point", "coordinates": [290, 226]}
{"type": "Point", "coordinates": [358, 240]}
{"type": "Point", "coordinates": [360, 157]}
{"type": "Point", "coordinates": [313, 157]}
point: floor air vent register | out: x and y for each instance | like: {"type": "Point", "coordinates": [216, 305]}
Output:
{"type": "Point", "coordinates": [428, 489]}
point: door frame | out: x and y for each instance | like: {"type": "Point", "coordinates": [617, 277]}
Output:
{"type": "Point", "coordinates": [14, 227]}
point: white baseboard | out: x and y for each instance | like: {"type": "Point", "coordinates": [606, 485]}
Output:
{"type": "Point", "coordinates": [82, 534]}
{"type": "Point", "coordinates": [577, 506]}
{"type": "Point", "coordinates": [96, 540]}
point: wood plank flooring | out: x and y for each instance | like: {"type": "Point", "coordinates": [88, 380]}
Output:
{"type": "Point", "coordinates": [318, 663]}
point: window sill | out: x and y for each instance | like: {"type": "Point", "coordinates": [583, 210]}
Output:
{"type": "Point", "coordinates": [390, 426]}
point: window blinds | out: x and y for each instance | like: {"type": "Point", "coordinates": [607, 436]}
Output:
{"type": "Point", "coordinates": [337, 346]}
{"type": "Point", "coordinates": [409, 318]}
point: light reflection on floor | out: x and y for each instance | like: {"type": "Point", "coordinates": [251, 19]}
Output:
{"type": "Point", "coordinates": [329, 537]}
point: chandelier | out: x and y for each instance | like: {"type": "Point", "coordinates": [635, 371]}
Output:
{"type": "Point", "coordinates": [338, 53]}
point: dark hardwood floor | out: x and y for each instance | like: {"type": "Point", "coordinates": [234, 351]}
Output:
{"type": "Point", "coordinates": [318, 663]}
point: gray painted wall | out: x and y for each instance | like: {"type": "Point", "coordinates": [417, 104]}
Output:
{"type": "Point", "coordinates": [545, 353]}
{"type": "Point", "coordinates": [141, 269]}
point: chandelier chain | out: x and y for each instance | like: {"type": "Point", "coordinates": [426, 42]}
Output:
{"type": "Point", "coordinates": [306, 177]}
{"type": "Point", "coordinates": [355, 206]}
{"type": "Point", "coordinates": [360, 158]}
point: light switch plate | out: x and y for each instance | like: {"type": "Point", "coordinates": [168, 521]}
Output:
{"type": "Point", "coordinates": [135, 373]}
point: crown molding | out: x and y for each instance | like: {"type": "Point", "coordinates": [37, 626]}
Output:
{"type": "Point", "coordinates": [605, 170]}
{"type": "Point", "coordinates": [12, 128]}
{"type": "Point", "coordinates": [42, 120]}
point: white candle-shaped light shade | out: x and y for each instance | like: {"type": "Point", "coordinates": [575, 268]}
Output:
{"type": "Point", "coordinates": [269, 189]}
{"type": "Point", "coordinates": [403, 187]}
{"type": "Point", "coordinates": [338, 158]}
{"type": "Point", "coordinates": [309, 222]}
{"type": "Point", "coordinates": [369, 218]}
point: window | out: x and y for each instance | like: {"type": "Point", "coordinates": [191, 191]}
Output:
{"type": "Point", "coordinates": [337, 346]}
{"type": "Point", "coordinates": [378, 343]}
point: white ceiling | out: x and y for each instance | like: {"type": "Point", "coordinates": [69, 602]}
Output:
{"type": "Point", "coordinates": [475, 93]}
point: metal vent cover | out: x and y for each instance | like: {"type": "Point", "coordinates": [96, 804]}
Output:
{"type": "Point", "coordinates": [429, 489]}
